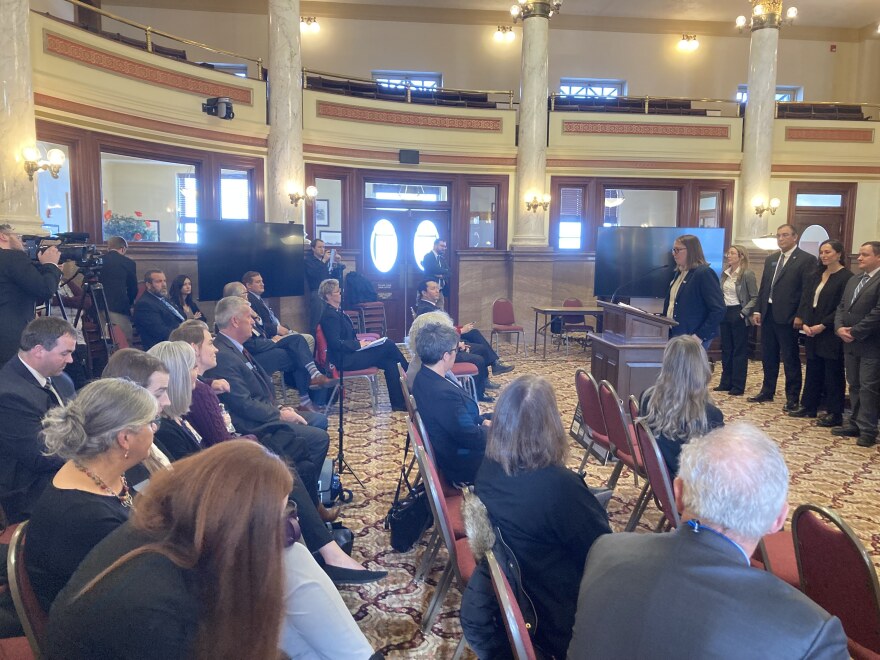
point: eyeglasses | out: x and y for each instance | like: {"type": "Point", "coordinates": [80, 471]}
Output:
{"type": "Point", "coordinates": [676, 250]}
{"type": "Point", "coordinates": [155, 423]}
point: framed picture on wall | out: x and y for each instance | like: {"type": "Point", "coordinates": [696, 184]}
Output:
{"type": "Point", "coordinates": [331, 237]}
{"type": "Point", "coordinates": [322, 212]}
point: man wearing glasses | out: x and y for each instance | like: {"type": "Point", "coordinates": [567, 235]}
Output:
{"type": "Point", "coordinates": [785, 273]}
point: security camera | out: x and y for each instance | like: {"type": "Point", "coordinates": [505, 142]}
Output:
{"type": "Point", "coordinates": [220, 106]}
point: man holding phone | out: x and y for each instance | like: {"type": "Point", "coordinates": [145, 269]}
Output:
{"type": "Point", "coordinates": [320, 264]}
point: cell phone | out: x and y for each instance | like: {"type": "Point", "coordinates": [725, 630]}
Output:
{"type": "Point", "coordinates": [333, 255]}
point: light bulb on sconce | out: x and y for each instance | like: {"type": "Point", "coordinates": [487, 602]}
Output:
{"type": "Point", "coordinates": [296, 197]}
{"type": "Point", "coordinates": [34, 161]}
{"type": "Point", "coordinates": [309, 24]}
{"type": "Point", "coordinates": [504, 33]}
{"type": "Point", "coordinates": [533, 202]}
{"type": "Point", "coordinates": [688, 43]}
{"type": "Point", "coordinates": [792, 13]}
{"type": "Point", "coordinates": [760, 208]}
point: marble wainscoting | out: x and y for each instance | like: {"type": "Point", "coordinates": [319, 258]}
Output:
{"type": "Point", "coordinates": [483, 276]}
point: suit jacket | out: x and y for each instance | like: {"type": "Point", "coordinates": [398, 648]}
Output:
{"type": "Point", "coordinates": [119, 277]}
{"type": "Point", "coordinates": [693, 595]}
{"type": "Point", "coordinates": [339, 334]}
{"type": "Point", "coordinates": [437, 267]}
{"type": "Point", "coordinates": [250, 401]}
{"type": "Point", "coordinates": [23, 403]}
{"type": "Point", "coordinates": [317, 271]}
{"type": "Point", "coordinates": [425, 307]}
{"type": "Point", "coordinates": [699, 305]}
{"type": "Point", "coordinates": [862, 315]}
{"type": "Point", "coordinates": [746, 292]}
{"type": "Point", "coordinates": [827, 344]}
{"type": "Point", "coordinates": [454, 425]}
{"type": "Point", "coordinates": [175, 441]}
{"type": "Point", "coordinates": [270, 326]}
{"type": "Point", "coordinates": [154, 320]}
{"type": "Point", "coordinates": [22, 285]}
{"type": "Point", "coordinates": [787, 293]}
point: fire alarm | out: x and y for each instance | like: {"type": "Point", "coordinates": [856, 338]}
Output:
{"type": "Point", "coordinates": [833, 48]}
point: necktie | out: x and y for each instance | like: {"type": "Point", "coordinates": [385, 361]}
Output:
{"type": "Point", "coordinates": [859, 287]}
{"type": "Point", "coordinates": [172, 308]}
{"type": "Point", "coordinates": [779, 266]}
{"type": "Point", "coordinates": [262, 376]}
{"type": "Point", "coordinates": [51, 390]}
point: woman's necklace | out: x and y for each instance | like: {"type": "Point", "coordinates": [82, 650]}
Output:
{"type": "Point", "coordinates": [124, 497]}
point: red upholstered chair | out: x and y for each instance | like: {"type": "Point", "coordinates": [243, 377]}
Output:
{"type": "Point", "coordinates": [461, 563]}
{"type": "Point", "coordinates": [514, 623]}
{"type": "Point", "coordinates": [504, 323]}
{"type": "Point", "coordinates": [620, 433]}
{"type": "Point", "coordinates": [775, 553]}
{"type": "Point", "coordinates": [837, 573]}
{"type": "Point", "coordinates": [464, 373]}
{"type": "Point", "coordinates": [574, 326]}
{"type": "Point", "coordinates": [658, 476]}
{"type": "Point", "coordinates": [373, 315]}
{"type": "Point", "coordinates": [30, 613]}
{"type": "Point", "coordinates": [595, 435]}
{"type": "Point", "coordinates": [369, 374]}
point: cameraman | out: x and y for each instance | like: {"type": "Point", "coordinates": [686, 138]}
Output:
{"type": "Point", "coordinates": [23, 284]}
{"type": "Point", "coordinates": [119, 277]}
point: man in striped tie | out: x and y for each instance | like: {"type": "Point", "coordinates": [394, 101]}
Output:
{"type": "Point", "coordinates": [857, 323]}
{"type": "Point", "coordinates": [154, 316]}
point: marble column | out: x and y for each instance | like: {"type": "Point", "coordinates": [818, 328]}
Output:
{"type": "Point", "coordinates": [530, 229]}
{"type": "Point", "coordinates": [286, 167]}
{"type": "Point", "coordinates": [759, 117]}
{"type": "Point", "coordinates": [18, 199]}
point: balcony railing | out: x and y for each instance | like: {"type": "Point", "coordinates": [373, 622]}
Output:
{"type": "Point", "coordinates": [646, 105]}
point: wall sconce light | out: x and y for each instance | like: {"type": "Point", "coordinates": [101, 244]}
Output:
{"type": "Point", "coordinates": [309, 24]}
{"type": "Point", "coordinates": [688, 43]}
{"type": "Point", "coordinates": [761, 209]}
{"type": "Point", "coordinates": [504, 33]}
{"type": "Point", "coordinates": [34, 161]}
{"type": "Point", "coordinates": [535, 203]}
{"type": "Point", "coordinates": [297, 197]}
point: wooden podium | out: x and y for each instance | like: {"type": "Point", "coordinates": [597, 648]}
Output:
{"type": "Point", "coordinates": [629, 351]}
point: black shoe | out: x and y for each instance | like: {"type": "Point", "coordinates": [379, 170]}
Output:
{"type": "Point", "coordinates": [791, 406]}
{"type": "Point", "coordinates": [761, 398]}
{"type": "Point", "coordinates": [721, 388]}
{"type": "Point", "coordinates": [486, 398]}
{"type": "Point", "coordinates": [802, 412]}
{"type": "Point", "coordinates": [736, 392]}
{"type": "Point", "coordinates": [831, 419]}
{"type": "Point", "coordinates": [500, 368]}
{"type": "Point", "coordinates": [399, 409]}
{"type": "Point", "coordinates": [866, 441]}
{"type": "Point", "coordinates": [848, 431]}
{"type": "Point", "coordinates": [492, 386]}
{"type": "Point", "coordinates": [352, 576]}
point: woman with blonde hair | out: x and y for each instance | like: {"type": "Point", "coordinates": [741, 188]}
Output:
{"type": "Point", "coordinates": [740, 290]}
{"type": "Point", "coordinates": [541, 511]}
{"type": "Point", "coordinates": [177, 437]}
{"type": "Point", "coordinates": [678, 406]}
{"type": "Point", "coordinates": [195, 573]}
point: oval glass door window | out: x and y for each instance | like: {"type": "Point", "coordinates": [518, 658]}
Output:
{"type": "Point", "coordinates": [383, 246]}
{"type": "Point", "coordinates": [423, 241]}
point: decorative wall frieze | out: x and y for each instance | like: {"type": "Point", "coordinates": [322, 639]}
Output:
{"type": "Point", "coordinates": [345, 112]}
{"type": "Point", "coordinates": [646, 129]}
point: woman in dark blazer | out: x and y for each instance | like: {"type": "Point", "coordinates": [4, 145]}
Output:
{"type": "Point", "coordinates": [180, 293]}
{"type": "Point", "coordinates": [176, 437]}
{"type": "Point", "coordinates": [740, 290]}
{"type": "Point", "coordinates": [819, 301]}
{"type": "Point", "coordinates": [694, 298]}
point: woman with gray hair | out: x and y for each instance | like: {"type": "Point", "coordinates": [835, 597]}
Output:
{"type": "Point", "coordinates": [176, 437]}
{"type": "Point", "coordinates": [420, 322]}
{"type": "Point", "coordinates": [102, 433]}
{"type": "Point", "coordinates": [678, 406]}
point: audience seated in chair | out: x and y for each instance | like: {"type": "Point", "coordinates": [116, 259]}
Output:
{"type": "Point", "coordinates": [345, 350]}
{"type": "Point", "coordinates": [188, 537]}
{"type": "Point", "coordinates": [691, 593]}
{"type": "Point", "coordinates": [539, 516]}
{"type": "Point", "coordinates": [180, 294]}
{"type": "Point", "coordinates": [679, 407]}
{"type": "Point", "coordinates": [47, 344]}
{"type": "Point", "coordinates": [105, 431]}
{"type": "Point", "coordinates": [456, 429]}
{"type": "Point", "coordinates": [154, 316]}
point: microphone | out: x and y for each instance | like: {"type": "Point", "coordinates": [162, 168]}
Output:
{"type": "Point", "coordinates": [638, 279]}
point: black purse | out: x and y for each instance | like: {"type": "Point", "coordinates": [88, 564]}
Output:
{"type": "Point", "coordinates": [408, 518]}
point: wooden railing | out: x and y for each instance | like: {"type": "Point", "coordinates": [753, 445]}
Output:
{"type": "Point", "coordinates": [832, 110]}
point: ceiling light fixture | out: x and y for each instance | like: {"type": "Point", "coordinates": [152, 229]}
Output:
{"type": "Point", "coordinates": [688, 43]}
{"type": "Point", "coordinates": [309, 24]}
{"type": "Point", "coordinates": [767, 13]}
{"type": "Point", "coordinates": [526, 9]}
{"type": "Point", "coordinates": [504, 33]}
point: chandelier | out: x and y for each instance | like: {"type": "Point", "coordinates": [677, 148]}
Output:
{"type": "Point", "coordinates": [767, 13]}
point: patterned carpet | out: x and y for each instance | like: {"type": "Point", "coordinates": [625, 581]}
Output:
{"type": "Point", "coordinates": [824, 470]}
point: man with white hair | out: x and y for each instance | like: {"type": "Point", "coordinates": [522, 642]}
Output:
{"type": "Point", "coordinates": [691, 593]}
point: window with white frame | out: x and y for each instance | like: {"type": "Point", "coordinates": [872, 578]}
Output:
{"type": "Point", "coordinates": [784, 93]}
{"type": "Point", "coordinates": [592, 87]}
{"type": "Point", "coordinates": [402, 79]}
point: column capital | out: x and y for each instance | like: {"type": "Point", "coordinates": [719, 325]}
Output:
{"type": "Point", "coordinates": [766, 14]}
{"type": "Point", "coordinates": [539, 8]}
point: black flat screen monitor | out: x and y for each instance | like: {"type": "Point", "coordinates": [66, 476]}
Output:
{"type": "Point", "coordinates": [228, 249]}
{"type": "Point", "coordinates": [636, 262]}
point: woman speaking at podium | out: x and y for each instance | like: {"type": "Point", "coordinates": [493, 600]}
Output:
{"type": "Point", "coordinates": [694, 299]}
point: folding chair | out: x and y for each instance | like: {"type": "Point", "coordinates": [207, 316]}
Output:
{"type": "Point", "coordinates": [595, 433]}
{"type": "Point", "coordinates": [620, 434]}
{"type": "Point", "coordinates": [504, 323]}
{"type": "Point", "coordinates": [514, 623]}
{"type": "Point", "coordinates": [30, 613]}
{"type": "Point", "coordinates": [464, 373]}
{"type": "Point", "coordinates": [373, 315]}
{"type": "Point", "coordinates": [658, 477]}
{"type": "Point", "coordinates": [369, 374]}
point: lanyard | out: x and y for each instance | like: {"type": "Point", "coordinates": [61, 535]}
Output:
{"type": "Point", "coordinates": [698, 527]}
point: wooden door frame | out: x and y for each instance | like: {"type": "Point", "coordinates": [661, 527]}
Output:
{"type": "Point", "coordinates": [847, 189]}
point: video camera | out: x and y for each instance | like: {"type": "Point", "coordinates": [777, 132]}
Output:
{"type": "Point", "coordinates": [72, 245]}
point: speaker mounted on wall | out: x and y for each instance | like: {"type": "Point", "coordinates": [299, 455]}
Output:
{"type": "Point", "coordinates": [409, 156]}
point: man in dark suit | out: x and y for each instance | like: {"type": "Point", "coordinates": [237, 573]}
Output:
{"type": "Point", "coordinates": [692, 592]}
{"type": "Point", "coordinates": [119, 277]}
{"type": "Point", "coordinates": [31, 383]}
{"type": "Point", "coordinates": [154, 316]}
{"type": "Point", "coordinates": [436, 267]}
{"type": "Point", "coordinates": [857, 323]}
{"type": "Point", "coordinates": [785, 274]}
{"type": "Point", "coordinates": [23, 284]}
{"type": "Point", "coordinates": [270, 323]}
{"type": "Point", "coordinates": [318, 268]}
{"type": "Point", "coordinates": [456, 429]}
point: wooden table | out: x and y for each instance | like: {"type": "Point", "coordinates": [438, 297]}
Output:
{"type": "Point", "coordinates": [551, 313]}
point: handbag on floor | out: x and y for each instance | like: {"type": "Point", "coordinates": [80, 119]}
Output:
{"type": "Point", "coordinates": [408, 518]}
